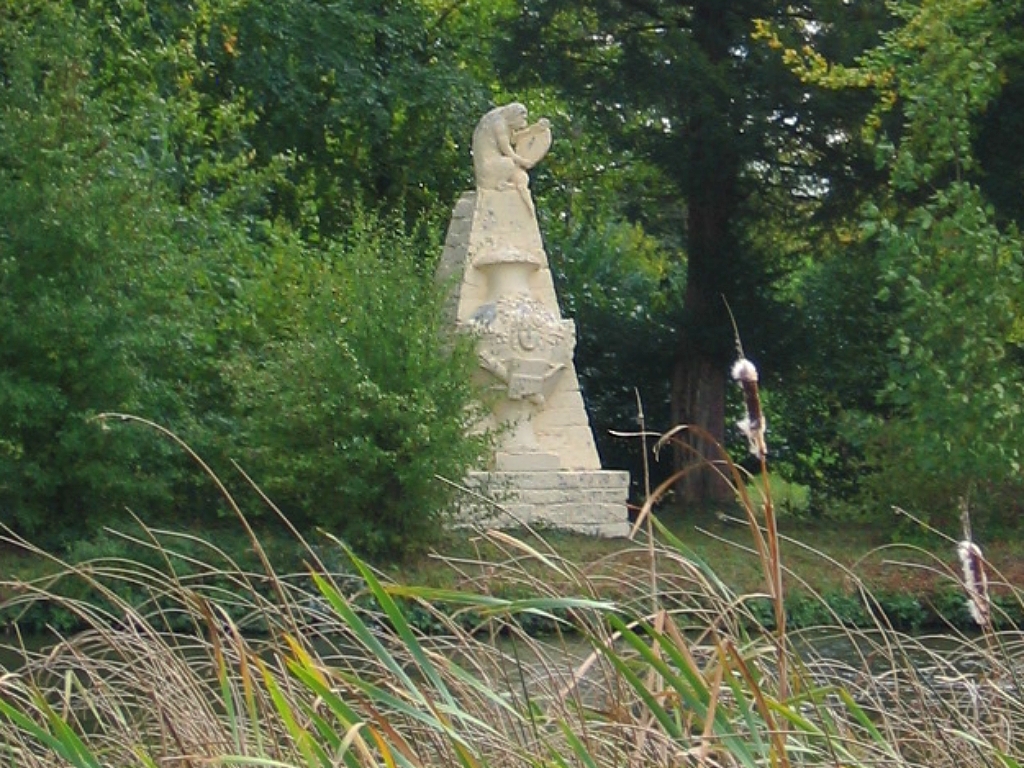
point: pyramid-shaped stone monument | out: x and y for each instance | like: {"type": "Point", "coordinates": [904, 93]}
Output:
{"type": "Point", "coordinates": [546, 469]}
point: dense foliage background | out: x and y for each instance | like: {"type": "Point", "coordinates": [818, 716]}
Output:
{"type": "Point", "coordinates": [168, 253]}
{"type": "Point", "coordinates": [223, 216]}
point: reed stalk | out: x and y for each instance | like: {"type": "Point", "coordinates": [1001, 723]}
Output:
{"type": "Point", "coordinates": [653, 661]}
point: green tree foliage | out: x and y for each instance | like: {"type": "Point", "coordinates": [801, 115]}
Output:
{"type": "Point", "coordinates": [999, 140]}
{"type": "Point", "coordinates": [145, 268]}
{"type": "Point", "coordinates": [355, 404]}
{"type": "Point", "coordinates": [946, 273]}
{"type": "Point", "coordinates": [690, 89]}
{"type": "Point", "coordinates": [81, 210]}
{"type": "Point", "coordinates": [621, 58]}
{"type": "Point", "coordinates": [371, 101]}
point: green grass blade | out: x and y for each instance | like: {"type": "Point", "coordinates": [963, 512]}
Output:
{"type": "Point", "coordinates": [228, 698]}
{"type": "Point", "coordinates": [836, 742]}
{"type": "Point", "coordinates": [145, 759]}
{"type": "Point", "coordinates": [43, 736]}
{"type": "Point", "coordinates": [861, 717]}
{"type": "Point", "coordinates": [661, 715]}
{"type": "Point", "coordinates": [345, 612]}
{"type": "Point", "coordinates": [346, 717]}
{"type": "Point", "coordinates": [697, 695]}
{"type": "Point", "coordinates": [399, 623]}
{"type": "Point", "coordinates": [482, 688]}
{"type": "Point", "coordinates": [66, 735]}
{"type": "Point", "coordinates": [692, 688]}
{"type": "Point", "coordinates": [428, 718]}
{"type": "Point", "coordinates": [577, 746]}
{"type": "Point", "coordinates": [747, 711]}
{"type": "Point", "coordinates": [677, 544]}
{"type": "Point", "coordinates": [325, 729]}
{"type": "Point", "coordinates": [312, 753]}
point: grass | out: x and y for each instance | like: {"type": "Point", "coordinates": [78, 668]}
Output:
{"type": "Point", "coordinates": [816, 560]}
{"type": "Point", "coordinates": [232, 663]}
{"type": "Point", "coordinates": [921, 581]}
{"type": "Point", "coordinates": [338, 676]}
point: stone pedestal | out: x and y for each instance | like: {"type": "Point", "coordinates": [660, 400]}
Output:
{"type": "Point", "coordinates": [546, 469]}
{"type": "Point", "coordinates": [591, 502]}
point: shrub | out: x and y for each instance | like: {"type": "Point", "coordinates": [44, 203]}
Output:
{"type": "Point", "coordinates": [359, 400]}
{"type": "Point", "coordinates": [790, 498]}
{"type": "Point", "coordinates": [82, 212]}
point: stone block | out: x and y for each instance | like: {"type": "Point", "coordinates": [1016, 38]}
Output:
{"type": "Point", "coordinates": [591, 502]}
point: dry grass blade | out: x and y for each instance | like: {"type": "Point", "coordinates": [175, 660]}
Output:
{"type": "Point", "coordinates": [217, 666]}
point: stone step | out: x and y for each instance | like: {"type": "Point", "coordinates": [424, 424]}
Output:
{"type": "Point", "coordinates": [592, 502]}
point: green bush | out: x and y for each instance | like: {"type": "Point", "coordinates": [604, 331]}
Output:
{"type": "Point", "coordinates": [82, 211]}
{"type": "Point", "coordinates": [360, 399]}
{"type": "Point", "coordinates": [790, 498]}
{"type": "Point", "coordinates": [141, 272]}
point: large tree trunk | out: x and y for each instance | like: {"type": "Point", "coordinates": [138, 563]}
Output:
{"type": "Point", "coordinates": [702, 360]}
{"type": "Point", "coordinates": [711, 184]}
{"type": "Point", "coordinates": [698, 400]}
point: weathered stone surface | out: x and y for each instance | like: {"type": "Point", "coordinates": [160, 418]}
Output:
{"type": "Point", "coordinates": [589, 502]}
{"type": "Point", "coordinates": [561, 426]}
{"type": "Point", "coordinates": [547, 468]}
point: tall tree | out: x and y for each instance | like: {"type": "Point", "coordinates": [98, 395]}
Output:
{"type": "Point", "coordinates": [83, 211]}
{"type": "Point", "coordinates": [370, 103]}
{"type": "Point", "coordinates": [949, 264]}
{"type": "Point", "coordinates": [688, 86]}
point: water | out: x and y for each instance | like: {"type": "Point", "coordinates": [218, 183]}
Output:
{"type": "Point", "coordinates": [832, 651]}
{"type": "Point", "coordinates": [14, 648]}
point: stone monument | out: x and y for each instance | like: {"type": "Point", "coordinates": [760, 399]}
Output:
{"type": "Point", "coordinates": [546, 469]}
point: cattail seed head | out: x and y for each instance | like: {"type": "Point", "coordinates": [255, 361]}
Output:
{"type": "Point", "coordinates": [753, 426]}
{"type": "Point", "coordinates": [744, 370]}
{"type": "Point", "coordinates": [975, 582]}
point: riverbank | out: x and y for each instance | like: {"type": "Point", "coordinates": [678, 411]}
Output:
{"type": "Point", "coordinates": [298, 669]}
{"type": "Point", "coordinates": [845, 573]}
{"type": "Point", "coordinates": [836, 573]}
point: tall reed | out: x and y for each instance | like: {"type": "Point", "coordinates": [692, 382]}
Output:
{"type": "Point", "coordinates": [223, 666]}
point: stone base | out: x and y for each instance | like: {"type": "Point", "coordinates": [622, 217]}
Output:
{"type": "Point", "coordinates": [537, 461]}
{"type": "Point", "coordinates": [592, 502]}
